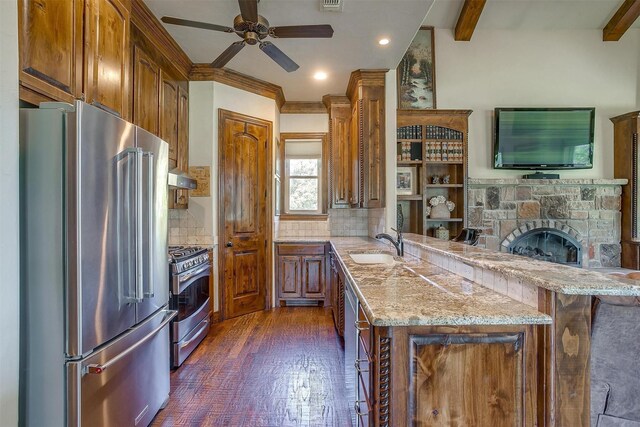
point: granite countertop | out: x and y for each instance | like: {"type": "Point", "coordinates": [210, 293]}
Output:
{"type": "Point", "coordinates": [414, 292]}
{"type": "Point", "coordinates": [554, 277]}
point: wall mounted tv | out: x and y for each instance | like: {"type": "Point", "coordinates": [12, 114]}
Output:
{"type": "Point", "coordinates": [543, 138]}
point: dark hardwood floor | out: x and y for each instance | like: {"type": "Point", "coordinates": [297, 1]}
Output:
{"type": "Point", "coordinates": [282, 367]}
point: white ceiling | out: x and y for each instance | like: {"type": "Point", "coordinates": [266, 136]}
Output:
{"type": "Point", "coordinates": [530, 14]}
{"type": "Point", "coordinates": [353, 46]}
{"type": "Point", "coordinates": [356, 31]}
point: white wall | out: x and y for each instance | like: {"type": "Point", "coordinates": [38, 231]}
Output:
{"type": "Point", "coordinates": [500, 68]}
{"type": "Point", "coordinates": [304, 123]}
{"type": "Point", "coordinates": [9, 223]}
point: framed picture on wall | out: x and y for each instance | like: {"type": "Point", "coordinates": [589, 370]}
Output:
{"type": "Point", "coordinates": [406, 180]}
{"type": "Point", "coordinates": [416, 73]}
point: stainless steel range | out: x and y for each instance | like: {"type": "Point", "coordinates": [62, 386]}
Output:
{"type": "Point", "coordinates": [189, 270]}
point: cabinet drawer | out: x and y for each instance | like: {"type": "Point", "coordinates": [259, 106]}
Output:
{"type": "Point", "coordinates": [315, 249]}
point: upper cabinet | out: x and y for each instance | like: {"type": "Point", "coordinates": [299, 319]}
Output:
{"type": "Point", "coordinates": [146, 91]}
{"type": "Point", "coordinates": [106, 80]}
{"type": "Point", "coordinates": [50, 38]}
{"type": "Point", "coordinates": [366, 92]}
{"type": "Point", "coordinates": [339, 108]}
{"type": "Point", "coordinates": [169, 117]}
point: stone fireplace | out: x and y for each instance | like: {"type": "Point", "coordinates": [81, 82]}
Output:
{"type": "Point", "coordinates": [575, 221]}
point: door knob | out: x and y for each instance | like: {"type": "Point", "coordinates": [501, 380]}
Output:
{"type": "Point", "coordinates": [229, 244]}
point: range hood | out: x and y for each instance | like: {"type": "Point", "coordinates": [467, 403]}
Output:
{"type": "Point", "coordinates": [179, 179]}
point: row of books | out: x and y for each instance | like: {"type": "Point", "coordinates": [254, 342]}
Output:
{"type": "Point", "coordinates": [410, 132]}
{"type": "Point", "coordinates": [438, 132]}
{"type": "Point", "coordinates": [445, 151]}
{"type": "Point", "coordinates": [433, 132]}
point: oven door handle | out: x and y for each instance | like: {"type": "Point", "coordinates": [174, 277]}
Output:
{"type": "Point", "coordinates": [205, 323]}
{"type": "Point", "coordinates": [189, 278]}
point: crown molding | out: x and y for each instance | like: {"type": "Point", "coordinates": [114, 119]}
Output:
{"type": "Point", "coordinates": [365, 78]}
{"type": "Point", "coordinates": [204, 72]}
{"type": "Point", "coordinates": [303, 107]}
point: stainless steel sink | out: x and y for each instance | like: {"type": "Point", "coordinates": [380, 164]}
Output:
{"type": "Point", "coordinates": [369, 258]}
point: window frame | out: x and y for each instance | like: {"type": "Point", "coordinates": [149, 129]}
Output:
{"type": "Point", "coordinates": [323, 187]}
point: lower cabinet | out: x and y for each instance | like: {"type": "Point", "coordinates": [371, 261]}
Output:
{"type": "Point", "coordinates": [301, 273]}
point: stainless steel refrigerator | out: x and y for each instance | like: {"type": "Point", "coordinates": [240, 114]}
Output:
{"type": "Point", "coordinates": [94, 284]}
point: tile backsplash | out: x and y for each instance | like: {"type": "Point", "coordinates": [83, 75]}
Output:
{"type": "Point", "coordinates": [340, 222]}
{"type": "Point", "coordinates": [184, 229]}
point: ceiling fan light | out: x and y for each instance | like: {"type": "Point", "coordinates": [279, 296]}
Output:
{"type": "Point", "coordinates": [320, 75]}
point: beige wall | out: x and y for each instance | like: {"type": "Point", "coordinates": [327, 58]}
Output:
{"type": "Point", "coordinates": [9, 223]}
{"type": "Point", "coordinates": [499, 68]}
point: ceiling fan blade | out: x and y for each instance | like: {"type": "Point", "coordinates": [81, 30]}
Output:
{"type": "Point", "coordinates": [228, 54]}
{"type": "Point", "coordinates": [196, 24]}
{"type": "Point", "coordinates": [279, 56]}
{"type": "Point", "coordinates": [249, 10]}
{"type": "Point", "coordinates": [309, 31]}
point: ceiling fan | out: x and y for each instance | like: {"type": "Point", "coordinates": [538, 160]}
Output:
{"type": "Point", "coordinates": [253, 29]}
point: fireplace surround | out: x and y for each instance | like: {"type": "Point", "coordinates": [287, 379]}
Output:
{"type": "Point", "coordinates": [588, 210]}
{"type": "Point", "coordinates": [547, 244]}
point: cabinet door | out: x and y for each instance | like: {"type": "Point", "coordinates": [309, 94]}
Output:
{"type": "Point", "coordinates": [182, 196]}
{"type": "Point", "coordinates": [169, 117]}
{"type": "Point", "coordinates": [313, 276]}
{"type": "Point", "coordinates": [340, 124]}
{"type": "Point", "coordinates": [146, 92]}
{"type": "Point", "coordinates": [373, 141]}
{"type": "Point", "coordinates": [50, 46]}
{"type": "Point", "coordinates": [106, 83]}
{"type": "Point", "coordinates": [289, 280]}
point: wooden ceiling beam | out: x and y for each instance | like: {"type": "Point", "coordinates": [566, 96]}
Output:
{"type": "Point", "coordinates": [624, 17]}
{"type": "Point", "coordinates": [468, 19]}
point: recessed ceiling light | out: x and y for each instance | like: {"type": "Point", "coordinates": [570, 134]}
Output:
{"type": "Point", "coordinates": [383, 42]}
{"type": "Point", "coordinates": [320, 75]}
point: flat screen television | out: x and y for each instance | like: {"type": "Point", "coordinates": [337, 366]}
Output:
{"type": "Point", "coordinates": [543, 138]}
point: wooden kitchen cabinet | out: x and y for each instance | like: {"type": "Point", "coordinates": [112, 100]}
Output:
{"type": "Point", "coordinates": [366, 92]}
{"type": "Point", "coordinates": [625, 165]}
{"type": "Point", "coordinates": [339, 108]}
{"type": "Point", "coordinates": [50, 49]}
{"type": "Point", "coordinates": [169, 117]}
{"type": "Point", "coordinates": [301, 273]}
{"type": "Point", "coordinates": [146, 91]}
{"type": "Point", "coordinates": [106, 56]}
{"type": "Point", "coordinates": [182, 196]}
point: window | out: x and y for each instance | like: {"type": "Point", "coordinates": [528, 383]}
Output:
{"type": "Point", "coordinates": [304, 185]}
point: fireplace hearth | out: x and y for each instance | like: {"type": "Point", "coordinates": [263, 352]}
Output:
{"type": "Point", "coordinates": [547, 244]}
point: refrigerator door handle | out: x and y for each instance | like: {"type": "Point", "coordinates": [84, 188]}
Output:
{"type": "Point", "coordinates": [149, 293]}
{"type": "Point", "coordinates": [126, 191]}
{"type": "Point", "coordinates": [100, 368]}
{"type": "Point", "coordinates": [140, 275]}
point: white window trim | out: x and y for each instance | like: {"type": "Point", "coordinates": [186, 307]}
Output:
{"type": "Point", "coordinates": [317, 177]}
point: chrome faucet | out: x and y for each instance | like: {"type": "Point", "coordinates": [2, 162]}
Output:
{"type": "Point", "coordinates": [398, 242]}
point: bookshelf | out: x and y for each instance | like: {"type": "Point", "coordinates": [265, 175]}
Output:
{"type": "Point", "coordinates": [432, 143]}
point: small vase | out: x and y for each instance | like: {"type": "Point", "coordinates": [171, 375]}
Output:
{"type": "Point", "coordinates": [440, 212]}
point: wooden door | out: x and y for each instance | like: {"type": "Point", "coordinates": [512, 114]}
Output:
{"type": "Point", "coordinates": [146, 92]}
{"type": "Point", "coordinates": [50, 46]}
{"type": "Point", "coordinates": [313, 276]}
{"type": "Point", "coordinates": [245, 212]}
{"type": "Point", "coordinates": [106, 82]}
{"type": "Point", "coordinates": [289, 280]}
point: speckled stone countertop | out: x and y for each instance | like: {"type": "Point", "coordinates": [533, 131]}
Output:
{"type": "Point", "coordinates": [414, 292]}
{"type": "Point", "coordinates": [555, 277]}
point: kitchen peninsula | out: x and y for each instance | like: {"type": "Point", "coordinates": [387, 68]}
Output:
{"type": "Point", "coordinates": [458, 335]}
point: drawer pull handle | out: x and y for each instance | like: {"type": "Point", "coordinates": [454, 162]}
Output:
{"type": "Point", "coordinates": [361, 328]}
{"type": "Point", "coordinates": [357, 365]}
{"type": "Point", "coordinates": [356, 406]}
